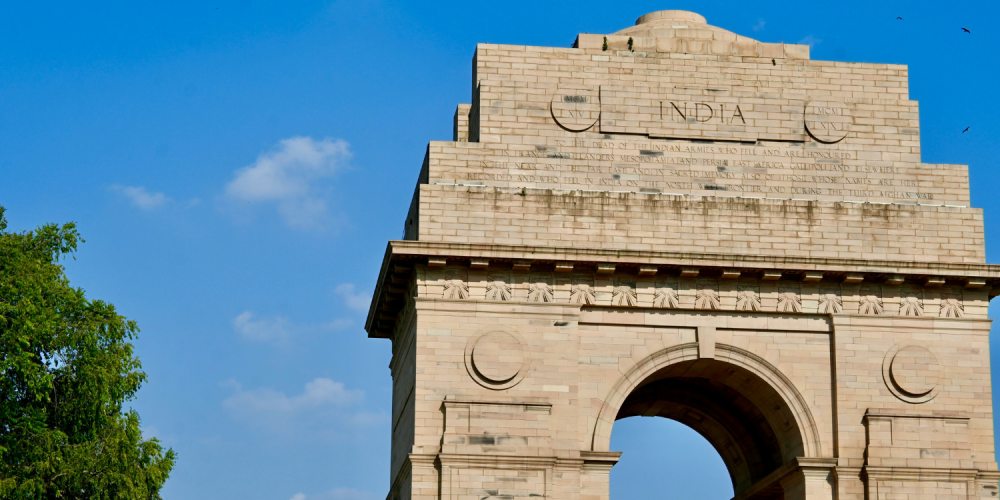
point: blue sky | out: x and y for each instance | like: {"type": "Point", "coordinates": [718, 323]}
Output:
{"type": "Point", "coordinates": [236, 168]}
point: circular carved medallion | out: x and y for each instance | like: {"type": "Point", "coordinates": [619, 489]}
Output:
{"type": "Point", "coordinates": [576, 109]}
{"type": "Point", "coordinates": [496, 360]}
{"type": "Point", "coordinates": [912, 372]}
{"type": "Point", "coordinates": [828, 121]}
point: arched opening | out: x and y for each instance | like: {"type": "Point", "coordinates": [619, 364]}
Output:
{"type": "Point", "coordinates": [747, 411]}
{"type": "Point", "coordinates": [666, 460]}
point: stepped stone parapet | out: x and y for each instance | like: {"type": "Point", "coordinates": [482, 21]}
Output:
{"type": "Point", "coordinates": [674, 220]}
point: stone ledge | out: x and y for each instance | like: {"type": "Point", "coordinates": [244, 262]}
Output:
{"type": "Point", "coordinates": [771, 483]}
{"type": "Point", "coordinates": [401, 255]}
{"type": "Point", "coordinates": [922, 474]}
{"type": "Point", "coordinates": [463, 251]}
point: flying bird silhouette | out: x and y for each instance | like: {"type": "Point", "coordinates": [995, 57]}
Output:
{"type": "Point", "coordinates": [900, 18]}
{"type": "Point", "coordinates": [966, 30]}
{"type": "Point", "coordinates": [966, 129]}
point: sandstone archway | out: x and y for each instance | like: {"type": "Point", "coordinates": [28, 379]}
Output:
{"type": "Point", "coordinates": [739, 402]}
{"type": "Point", "coordinates": [605, 206]}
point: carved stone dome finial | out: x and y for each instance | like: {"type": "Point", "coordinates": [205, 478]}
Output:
{"type": "Point", "coordinates": [675, 24]}
{"type": "Point", "coordinates": [671, 15]}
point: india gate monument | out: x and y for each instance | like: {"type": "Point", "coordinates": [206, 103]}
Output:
{"type": "Point", "coordinates": [677, 221]}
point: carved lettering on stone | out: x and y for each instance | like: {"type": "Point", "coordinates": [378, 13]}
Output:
{"type": "Point", "coordinates": [748, 297]}
{"type": "Point", "coordinates": [456, 284]}
{"type": "Point", "coordinates": [662, 165]}
{"type": "Point", "coordinates": [624, 293]}
{"type": "Point", "coordinates": [733, 174]}
{"type": "Point", "coordinates": [498, 286]}
{"type": "Point", "coordinates": [828, 121]}
{"type": "Point", "coordinates": [870, 300]}
{"type": "Point", "coordinates": [576, 107]}
{"type": "Point", "coordinates": [707, 295]}
{"type": "Point", "coordinates": [665, 295]}
{"type": "Point", "coordinates": [582, 291]}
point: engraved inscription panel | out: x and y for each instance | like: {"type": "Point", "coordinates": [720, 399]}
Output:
{"type": "Point", "coordinates": [576, 108]}
{"type": "Point", "coordinates": [773, 170]}
{"type": "Point", "coordinates": [828, 121]}
{"type": "Point", "coordinates": [698, 114]}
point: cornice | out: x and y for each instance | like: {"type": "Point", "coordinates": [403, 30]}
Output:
{"type": "Point", "coordinates": [402, 256]}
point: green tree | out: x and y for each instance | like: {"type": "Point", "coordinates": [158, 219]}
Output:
{"type": "Point", "coordinates": [66, 369]}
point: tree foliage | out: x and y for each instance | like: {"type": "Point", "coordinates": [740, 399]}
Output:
{"type": "Point", "coordinates": [66, 369]}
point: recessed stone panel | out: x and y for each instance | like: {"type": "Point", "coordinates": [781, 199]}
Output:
{"type": "Point", "coordinates": [678, 221]}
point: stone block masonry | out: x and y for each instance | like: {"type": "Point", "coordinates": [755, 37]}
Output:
{"type": "Point", "coordinates": [677, 221]}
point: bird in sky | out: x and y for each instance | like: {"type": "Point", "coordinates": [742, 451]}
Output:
{"type": "Point", "coordinates": [966, 129]}
{"type": "Point", "coordinates": [966, 30]}
{"type": "Point", "coordinates": [900, 18]}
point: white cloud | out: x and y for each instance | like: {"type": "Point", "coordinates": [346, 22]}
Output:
{"type": "Point", "coordinates": [273, 329]}
{"type": "Point", "coordinates": [810, 40]}
{"type": "Point", "coordinates": [759, 26]}
{"type": "Point", "coordinates": [279, 330]}
{"type": "Point", "coordinates": [140, 197]}
{"type": "Point", "coordinates": [357, 301]}
{"type": "Point", "coordinates": [290, 176]}
{"type": "Point", "coordinates": [340, 324]}
{"type": "Point", "coordinates": [338, 494]}
{"type": "Point", "coordinates": [274, 409]}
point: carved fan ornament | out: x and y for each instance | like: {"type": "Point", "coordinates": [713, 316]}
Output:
{"type": "Point", "coordinates": [624, 293]}
{"type": "Point", "coordinates": [830, 301]}
{"type": "Point", "coordinates": [747, 298]}
{"type": "Point", "coordinates": [911, 305]}
{"type": "Point", "coordinates": [582, 294]}
{"type": "Point", "coordinates": [870, 301]}
{"type": "Point", "coordinates": [951, 305]}
{"type": "Point", "coordinates": [582, 291]}
{"type": "Point", "coordinates": [666, 296]}
{"type": "Point", "coordinates": [456, 289]}
{"type": "Point", "coordinates": [539, 290]}
{"type": "Point", "coordinates": [497, 287]}
{"type": "Point", "coordinates": [789, 300]}
{"type": "Point", "coordinates": [455, 286]}
{"type": "Point", "coordinates": [708, 296]}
